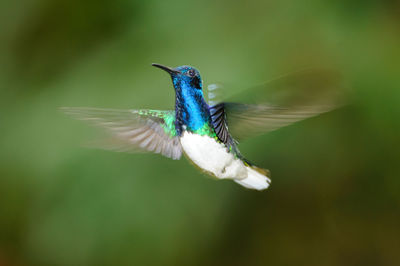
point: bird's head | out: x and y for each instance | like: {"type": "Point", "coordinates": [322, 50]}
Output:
{"type": "Point", "coordinates": [184, 76]}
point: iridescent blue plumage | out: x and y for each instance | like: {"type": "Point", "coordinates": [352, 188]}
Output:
{"type": "Point", "coordinates": [192, 111]}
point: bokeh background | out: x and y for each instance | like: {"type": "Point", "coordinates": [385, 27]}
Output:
{"type": "Point", "coordinates": [335, 191]}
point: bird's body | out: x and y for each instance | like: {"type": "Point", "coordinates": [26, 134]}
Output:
{"type": "Point", "coordinates": [194, 128]}
{"type": "Point", "coordinates": [198, 135]}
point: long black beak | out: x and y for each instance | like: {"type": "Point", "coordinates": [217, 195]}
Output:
{"type": "Point", "coordinates": [165, 68]}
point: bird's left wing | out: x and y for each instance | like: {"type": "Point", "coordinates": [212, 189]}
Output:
{"type": "Point", "coordinates": [132, 130]}
{"type": "Point", "coordinates": [247, 120]}
{"type": "Point", "coordinates": [276, 104]}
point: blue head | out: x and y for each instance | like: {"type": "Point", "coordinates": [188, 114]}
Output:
{"type": "Point", "coordinates": [184, 76]}
{"type": "Point", "coordinates": [191, 109]}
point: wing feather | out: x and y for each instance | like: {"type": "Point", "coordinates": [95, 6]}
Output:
{"type": "Point", "coordinates": [247, 120]}
{"type": "Point", "coordinates": [133, 129]}
{"type": "Point", "coordinates": [276, 104]}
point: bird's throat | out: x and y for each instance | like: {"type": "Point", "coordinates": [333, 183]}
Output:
{"type": "Point", "coordinates": [192, 113]}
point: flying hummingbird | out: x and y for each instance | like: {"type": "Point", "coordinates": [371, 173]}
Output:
{"type": "Point", "coordinates": [207, 133]}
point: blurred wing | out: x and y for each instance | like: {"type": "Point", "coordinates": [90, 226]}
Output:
{"type": "Point", "coordinates": [246, 120]}
{"type": "Point", "coordinates": [151, 130]}
{"type": "Point", "coordinates": [282, 102]}
{"type": "Point", "coordinates": [215, 94]}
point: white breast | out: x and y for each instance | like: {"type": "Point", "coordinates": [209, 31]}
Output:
{"type": "Point", "coordinates": [212, 156]}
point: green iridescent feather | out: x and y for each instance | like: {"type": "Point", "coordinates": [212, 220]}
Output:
{"type": "Point", "coordinates": [169, 123]}
{"type": "Point", "coordinates": [168, 118]}
{"type": "Point", "coordinates": [206, 130]}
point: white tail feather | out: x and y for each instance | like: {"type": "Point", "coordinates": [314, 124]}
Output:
{"type": "Point", "coordinates": [254, 180]}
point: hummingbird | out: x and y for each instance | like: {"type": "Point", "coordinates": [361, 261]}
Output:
{"type": "Point", "coordinates": [206, 133]}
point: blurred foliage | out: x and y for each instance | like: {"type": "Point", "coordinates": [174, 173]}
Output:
{"type": "Point", "coordinates": [334, 198]}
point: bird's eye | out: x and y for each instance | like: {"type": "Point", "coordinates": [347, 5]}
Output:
{"type": "Point", "coordinates": [192, 73]}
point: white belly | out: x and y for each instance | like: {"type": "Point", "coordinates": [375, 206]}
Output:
{"type": "Point", "coordinates": [212, 156]}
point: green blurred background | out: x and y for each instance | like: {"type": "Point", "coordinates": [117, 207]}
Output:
{"type": "Point", "coordinates": [335, 191]}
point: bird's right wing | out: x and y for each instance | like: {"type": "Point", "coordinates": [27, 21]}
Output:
{"type": "Point", "coordinates": [132, 130]}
